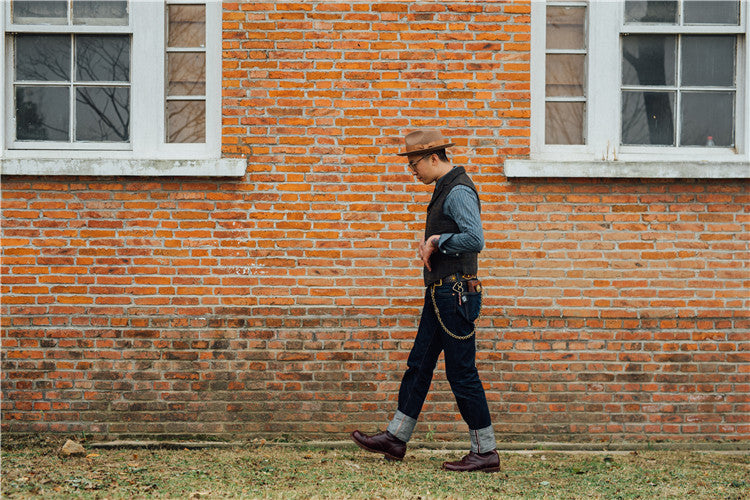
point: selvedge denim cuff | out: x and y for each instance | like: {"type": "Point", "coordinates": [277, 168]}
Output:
{"type": "Point", "coordinates": [482, 440]}
{"type": "Point", "coordinates": [402, 426]}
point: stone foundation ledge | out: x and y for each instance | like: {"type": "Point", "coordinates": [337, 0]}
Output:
{"type": "Point", "coordinates": [441, 445]}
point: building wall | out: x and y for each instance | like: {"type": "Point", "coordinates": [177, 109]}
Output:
{"type": "Point", "coordinates": [284, 303]}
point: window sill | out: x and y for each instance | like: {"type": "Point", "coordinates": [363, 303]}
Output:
{"type": "Point", "coordinates": [220, 167]}
{"type": "Point", "coordinates": [629, 169]}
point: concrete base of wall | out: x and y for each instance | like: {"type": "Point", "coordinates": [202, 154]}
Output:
{"type": "Point", "coordinates": [452, 445]}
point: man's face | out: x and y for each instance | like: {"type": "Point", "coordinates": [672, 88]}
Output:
{"type": "Point", "coordinates": [421, 167]}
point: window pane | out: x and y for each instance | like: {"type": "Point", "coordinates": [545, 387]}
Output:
{"type": "Point", "coordinates": [42, 57]}
{"type": "Point", "coordinates": [40, 12]}
{"type": "Point", "coordinates": [186, 73]}
{"type": "Point", "coordinates": [648, 60]}
{"type": "Point", "coordinates": [564, 123]}
{"type": "Point", "coordinates": [648, 118]}
{"type": "Point", "coordinates": [186, 121]}
{"type": "Point", "coordinates": [712, 12]}
{"type": "Point", "coordinates": [103, 58]}
{"type": "Point", "coordinates": [566, 27]}
{"type": "Point", "coordinates": [102, 114]}
{"type": "Point", "coordinates": [42, 113]}
{"type": "Point", "coordinates": [707, 119]}
{"type": "Point", "coordinates": [187, 26]}
{"type": "Point", "coordinates": [708, 60]}
{"type": "Point", "coordinates": [100, 13]}
{"type": "Point", "coordinates": [565, 75]}
{"type": "Point", "coordinates": [643, 11]}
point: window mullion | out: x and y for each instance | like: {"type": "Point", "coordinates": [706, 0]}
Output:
{"type": "Point", "coordinates": [147, 88]}
{"type": "Point", "coordinates": [72, 89]}
{"type": "Point", "coordinates": [678, 97]}
{"type": "Point", "coordinates": [604, 80]}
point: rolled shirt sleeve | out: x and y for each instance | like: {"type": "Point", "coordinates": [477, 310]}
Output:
{"type": "Point", "coordinates": [462, 205]}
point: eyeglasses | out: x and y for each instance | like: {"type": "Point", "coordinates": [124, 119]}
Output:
{"type": "Point", "coordinates": [413, 164]}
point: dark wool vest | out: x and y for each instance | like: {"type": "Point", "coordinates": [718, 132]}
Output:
{"type": "Point", "coordinates": [438, 223]}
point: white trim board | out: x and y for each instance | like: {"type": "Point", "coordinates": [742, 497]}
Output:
{"type": "Point", "coordinates": [220, 167]}
{"type": "Point", "coordinates": [629, 169]}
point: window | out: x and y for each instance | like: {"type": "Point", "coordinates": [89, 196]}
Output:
{"type": "Point", "coordinates": [565, 78]}
{"type": "Point", "coordinates": [123, 82]}
{"type": "Point", "coordinates": [74, 88]}
{"type": "Point", "coordinates": [186, 70]}
{"type": "Point", "coordinates": [641, 88]}
{"type": "Point", "coordinates": [679, 82]}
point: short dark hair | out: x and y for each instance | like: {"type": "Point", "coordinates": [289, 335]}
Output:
{"type": "Point", "coordinates": [442, 155]}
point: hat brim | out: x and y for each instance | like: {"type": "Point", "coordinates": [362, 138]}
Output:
{"type": "Point", "coordinates": [427, 149]}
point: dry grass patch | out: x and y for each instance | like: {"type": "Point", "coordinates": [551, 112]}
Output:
{"type": "Point", "coordinates": [303, 472]}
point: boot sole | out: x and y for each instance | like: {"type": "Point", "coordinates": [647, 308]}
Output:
{"type": "Point", "coordinates": [387, 456]}
{"type": "Point", "coordinates": [487, 470]}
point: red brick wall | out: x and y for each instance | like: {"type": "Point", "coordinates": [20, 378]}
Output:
{"type": "Point", "coordinates": [286, 302]}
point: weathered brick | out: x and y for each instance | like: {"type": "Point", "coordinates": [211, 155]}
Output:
{"type": "Point", "coordinates": [286, 301]}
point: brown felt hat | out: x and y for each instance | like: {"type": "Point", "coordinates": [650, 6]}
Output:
{"type": "Point", "coordinates": [424, 141]}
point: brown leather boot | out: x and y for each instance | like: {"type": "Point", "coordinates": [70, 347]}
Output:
{"type": "Point", "coordinates": [486, 462]}
{"type": "Point", "coordinates": [384, 442]}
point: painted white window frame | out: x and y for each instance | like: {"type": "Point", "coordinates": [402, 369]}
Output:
{"type": "Point", "coordinates": [148, 152]}
{"type": "Point", "coordinates": [602, 155]}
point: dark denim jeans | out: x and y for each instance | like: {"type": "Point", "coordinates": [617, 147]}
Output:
{"type": "Point", "coordinates": [460, 366]}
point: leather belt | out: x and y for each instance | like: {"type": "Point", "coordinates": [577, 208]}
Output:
{"type": "Point", "coordinates": [454, 278]}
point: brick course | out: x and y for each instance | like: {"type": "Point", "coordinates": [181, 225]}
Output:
{"type": "Point", "coordinates": [285, 302]}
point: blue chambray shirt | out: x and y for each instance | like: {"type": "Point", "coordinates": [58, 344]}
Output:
{"type": "Point", "coordinates": [462, 206]}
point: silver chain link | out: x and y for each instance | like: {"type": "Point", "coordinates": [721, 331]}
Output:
{"type": "Point", "coordinates": [440, 320]}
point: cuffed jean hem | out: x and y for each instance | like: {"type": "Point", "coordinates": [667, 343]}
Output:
{"type": "Point", "coordinates": [402, 426]}
{"type": "Point", "coordinates": [482, 440]}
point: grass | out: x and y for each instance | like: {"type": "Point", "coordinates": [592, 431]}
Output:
{"type": "Point", "coordinates": [255, 471]}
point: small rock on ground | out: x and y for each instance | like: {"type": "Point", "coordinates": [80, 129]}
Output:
{"type": "Point", "coordinates": [72, 449]}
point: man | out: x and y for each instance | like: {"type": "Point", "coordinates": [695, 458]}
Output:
{"type": "Point", "coordinates": [453, 299]}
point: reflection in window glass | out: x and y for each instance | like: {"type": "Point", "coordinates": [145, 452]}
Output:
{"type": "Point", "coordinates": [565, 74]}
{"type": "Point", "coordinates": [566, 27]}
{"type": "Point", "coordinates": [645, 11]}
{"type": "Point", "coordinates": [186, 121]}
{"type": "Point", "coordinates": [648, 118]}
{"type": "Point", "coordinates": [712, 12]}
{"type": "Point", "coordinates": [42, 113]}
{"type": "Point", "coordinates": [103, 58]}
{"type": "Point", "coordinates": [186, 73]}
{"type": "Point", "coordinates": [707, 119]}
{"type": "Point", "coordinates": [187, 26]}
{"type": "Point", "coordinates": [708, 60]}
{"type": "Point", "coordinates": [43, 84]}
{"type": "Point", "coordinates": [42, 57]}
{"type": "Point", "coordinates": [84, 12]}
{"type": "Point", "coordinates": [649, 60]}
{"type": "Point", "coordinates": [102, 114]}
{"type": "Point", "coordinates": [41, 12]}
{"type": "Point", "coordinates": [100, 13]}
{"type": "Point", "coordinates": [564, 123]}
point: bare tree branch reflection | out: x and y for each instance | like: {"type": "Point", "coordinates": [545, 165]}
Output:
{"type": "Point", "coordinates": [112, 113]}
{"type": "Point", "coordinates": [186, 121]}
{"type": "Point", "coordinates": [42, 57]}
{"type": "Point", "coordinates": [103, 58]}
{"type": "Point", "coordinates": [102, 112]}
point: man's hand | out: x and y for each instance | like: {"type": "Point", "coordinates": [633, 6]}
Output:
{"type": "Point", "coordinates": [427, 248]}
